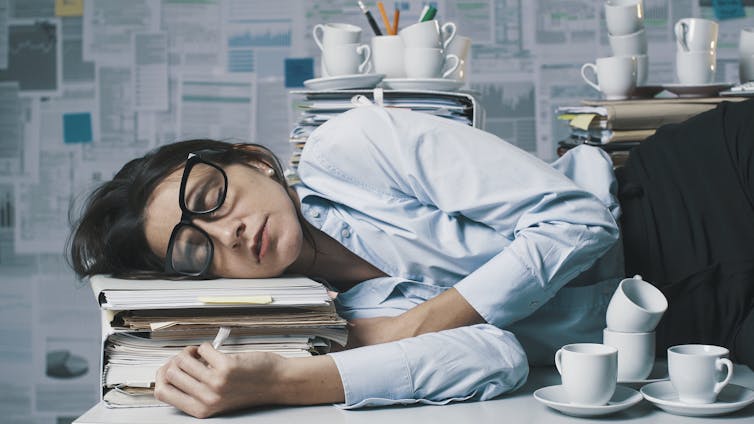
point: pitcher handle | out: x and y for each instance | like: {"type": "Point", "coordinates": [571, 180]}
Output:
{"type": "Point", "coordinates": [365, 65]}
{"type": "Point", "coordinates": [318, 40]}
{"type": "Point", "coordinates": [593, 67]}
{"type": "Point", "coordinates": [448, 27]}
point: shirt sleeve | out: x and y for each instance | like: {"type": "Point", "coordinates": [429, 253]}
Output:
{"type": "Point", "coordinates": [556, 229]}
{"type": "Point", "coordinates": [477, 362]}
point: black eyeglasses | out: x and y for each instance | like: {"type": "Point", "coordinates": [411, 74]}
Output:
{"type": "Point", "coordinates": [202, 192]}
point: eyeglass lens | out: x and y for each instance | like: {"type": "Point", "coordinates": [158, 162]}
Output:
{"type": "Point", "coordinates": [204, 192]}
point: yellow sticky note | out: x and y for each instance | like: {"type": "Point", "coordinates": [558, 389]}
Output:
{"type": "Point", "coordinates": [582, 121]}
{"type": "Point", "coordinates": [236, 300]}
{"type": "Point", "coordinates": [69, 7]}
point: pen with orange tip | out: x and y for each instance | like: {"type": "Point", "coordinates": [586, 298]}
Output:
{"type": "Point", "coordinates": [385, 20]}
{"type": "Point", "coordinates": [396, 16]}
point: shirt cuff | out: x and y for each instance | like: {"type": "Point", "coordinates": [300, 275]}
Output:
{"type": "Point", "coordinates": [503, 290]}
{"type": "Point", "coordinates": [378, 372]}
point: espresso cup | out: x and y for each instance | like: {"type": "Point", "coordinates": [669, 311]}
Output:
{"type": "Point", "coordinates": [636, 306]}
{"type": "Point", "coordinates": [628, 44]}
{"type": "Point", "coordinates": [588, 371]}
{"type": "Point", "coordinates": [746, 68]}
{"type": "Point", "coordinates": [746, 42]}
{"type": "Point", "coordinates": [423, 62]}
{"type": "Point", "coordinates": [334, 34]}
{"type": "Point", "coordinates": [346, 59]}
{"type": "Point", "coordinates": [695, 369]}
{"type": "Point", "coordinates": [460, 46]}
{"type": "Point", "coordinates": [693, 34]}
{"type": "Point", "coordinates": [624, 16]}
{"type": "Point", "coordinates": [616, 76]}
{"type": "Point", "coordinates": [387, 56]}
{"type": "Point", "coordinates": [428, 34]}
{"type": "Point", "coordinates": [636, 353]}
{"type": "Point", "coordinates": [696, 67]}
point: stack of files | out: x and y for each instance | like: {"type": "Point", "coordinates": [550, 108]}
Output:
{"type": "Point", "coordinates": [619, 126]}
{"type": "Point", "coordinates": [317, 107]}
{"type": "Point", "coordinates": [146, 322]}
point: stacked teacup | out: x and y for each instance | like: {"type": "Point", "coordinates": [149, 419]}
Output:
{"type": "Point", "coordinates": [632, 316]}
{"type": "Point", "coordinates": [342, 52]}
{"type": "Point", "coordinates": [696, 56]}
{"type": "Point", "coordinates": [619, 74]}
{"type": "Point", "coordinates": [425, 47]}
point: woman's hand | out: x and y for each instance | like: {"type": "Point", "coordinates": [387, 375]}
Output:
{"type": "Point", "coordinates": [203, 382]}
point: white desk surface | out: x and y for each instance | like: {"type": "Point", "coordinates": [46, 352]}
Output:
{"type": "Point", "coordinates": [514, 408]}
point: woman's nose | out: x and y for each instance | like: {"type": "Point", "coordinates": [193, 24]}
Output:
{"type": "Point", "coordinates": [227, 232]}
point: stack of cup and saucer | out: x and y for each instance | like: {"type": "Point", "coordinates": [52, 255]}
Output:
{"type": "Point", "coordinates": [696, 59]}
{"type": "Point", "coordinates": [628, 39]}
{"type": "Point", "coordinates": [420, 58]}
{"type": "Point", "coordinates": [699, 383]}
{"type": "Point", "coordinates": [589, 374]}
{"type": "Point", "coordinates": [345, 62]}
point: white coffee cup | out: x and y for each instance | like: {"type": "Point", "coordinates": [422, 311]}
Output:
{"type": "Point", "coordinates": [629, 44]}
{"type": "Point", "coordinates": [428, 34]}
{"type": "Point", "coordinates": [460, 46]}
{"type": "Point", "coordinates": [636, 353]}
{"type": "Point", "coordinates": [387, 56]}
{"type": "Point", "coordinates": [746, 42]}
{"type": "Point", "coordinates": [696, 34]}
{"type": "Point", "coordinates": [694, 371]}
{"type": "Point", "coordinates": [696, 67]}
{"type": "Point", "coordinates": [588, 371]}
{"type": "Point", "coordinates": [347, 59]}
{"type": "Point", "coordinates": [636, 306]}
{"type": "Point", "coordinates": [624, 16]}
{"type": "Point", "coordinates": [616, 76]}
{"type": "Point", "coordinates": [334, 34]}
{"type": "Point", "coordinates": [746, 68]}
{"type": "Point", "coordinates": [423, 62]}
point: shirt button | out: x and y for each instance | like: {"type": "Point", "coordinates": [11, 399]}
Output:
{"type": "Point", "coordinates": [345, 233]}
{"type": "Point", "coordinates": [314, 214]}
{"type": "Point", "coordinates": [534, 303]}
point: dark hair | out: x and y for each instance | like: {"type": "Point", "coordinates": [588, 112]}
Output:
{"type": "Point", "coordinates": [109, 236]}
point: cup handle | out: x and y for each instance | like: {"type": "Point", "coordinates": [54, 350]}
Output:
{"type": "Point", "coordinates": [318, 40]}
{"type": "Point", "coordinates": [681, 29]}
{"type": "Point", "coordinates": [365, 65]}
{"type": "Point", "coordinates": [558, 361]}
{"type": "Point", "coordinates": [593, 67]}
{"type": "Point", "coordinates": [450, 29]}
{"type": "Point", "coordinates": [719, 364]}
{"type": "Point", "coordinates": [456, 62]}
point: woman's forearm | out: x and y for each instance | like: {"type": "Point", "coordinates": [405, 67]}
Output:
{"type": "Point", "coordinates": [309, 381]}
{"type": "Point", "coordinates": [443, 312]}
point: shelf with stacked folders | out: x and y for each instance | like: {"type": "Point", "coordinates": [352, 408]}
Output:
{"type": "Point", "coordinates": [318, 106]}
{"type": "Point", "coordinates": [146, 322]}
{"type": "Point", "coordinates": [619, 125]}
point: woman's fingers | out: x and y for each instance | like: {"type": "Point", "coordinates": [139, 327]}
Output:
{"type": "Point", "coordinates": [165, 391]}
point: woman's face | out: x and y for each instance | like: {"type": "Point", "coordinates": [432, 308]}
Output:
{"type": "Point", "coordinates": [256, 233]}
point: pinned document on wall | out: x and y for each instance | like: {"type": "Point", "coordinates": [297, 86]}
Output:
{"type": "Point", "coordinates": [728, 9]}
{"type": "Point", "coordinates": [69, 7]}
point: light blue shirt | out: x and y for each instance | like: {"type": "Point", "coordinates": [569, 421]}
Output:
{"type": "Point", "coordinates": [437, 204]}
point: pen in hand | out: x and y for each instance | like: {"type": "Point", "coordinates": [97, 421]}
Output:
{"type": "Point", "coordinates": [222, 335]}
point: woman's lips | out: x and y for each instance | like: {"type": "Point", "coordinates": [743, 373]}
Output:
{"type": "Point", "coordinates": [260, 242]}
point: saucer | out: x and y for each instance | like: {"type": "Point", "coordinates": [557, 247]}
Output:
{"type": "Point", "coordinates": [555, 397]}
{"type": "Point", "coordinates": [343, 82]}
{"type": "Point", "coordinates": [646, 91]}
{"type": "Point", "coordinates": [697, 90]}
{"type": "Point", "coordinates": [732, 398]}
{"type": "Point", "coordinates": [659, 373]}
{"type": "Point", "coordinates": [437, 84]}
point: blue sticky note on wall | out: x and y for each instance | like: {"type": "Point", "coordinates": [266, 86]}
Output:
{"type": "Point", "coordinates": [298, 70]}
{"type": "Point", "coordinates": [728, 9]}
{"type": "Point", "coordinates": [77, 127]}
